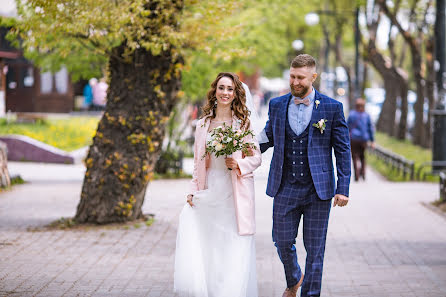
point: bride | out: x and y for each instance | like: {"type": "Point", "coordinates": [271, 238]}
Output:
{"type": "Point", "coordinates": [215, 248]}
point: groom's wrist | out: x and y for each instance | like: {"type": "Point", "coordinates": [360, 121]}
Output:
{"type": "Point", "coordinates": [342, 191]}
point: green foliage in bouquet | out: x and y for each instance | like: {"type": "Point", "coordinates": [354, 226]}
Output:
{"type": "Point", "coordinates": [225, 141]}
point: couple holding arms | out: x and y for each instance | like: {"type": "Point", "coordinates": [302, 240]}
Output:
{"type": "Point", "coordinates": [215, 249]}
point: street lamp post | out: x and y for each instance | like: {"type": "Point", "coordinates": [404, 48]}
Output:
{"type": "Point", "coordinates": [357, 90]}
{"type": "Point", "coordinates": [439, 113]}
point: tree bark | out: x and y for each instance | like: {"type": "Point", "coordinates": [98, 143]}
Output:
{"type": "Point", "coordinates": [418, 105]}
{"type": "Point", "coordinates": [364, 78]}
{"type": "Point", "coordinates": [403, 90]}
{"type": "Point", "coordinates": [128, 140]}
{"type": "Point", "coordinates": [430, 89]}
{"type": "Point", "coordinates": [5, 180]}
{"type": "Point", "coordinates": [401, 86]}
{"type": "Point", "coordinates": [386, 120]}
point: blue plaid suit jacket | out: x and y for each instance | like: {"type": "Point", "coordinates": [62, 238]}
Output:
{"type": "Point", "coordinates": [320, 146]}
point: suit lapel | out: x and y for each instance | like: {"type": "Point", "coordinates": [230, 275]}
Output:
{"type": "Point", "coordinates": [283, 117]}
{"type": "Point", "coordinates": [315, 115]}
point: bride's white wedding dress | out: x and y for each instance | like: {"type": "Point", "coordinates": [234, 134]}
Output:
{"type": "Point", "coordinates": [211, 259]}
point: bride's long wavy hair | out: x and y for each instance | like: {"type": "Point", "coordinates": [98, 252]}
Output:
{"type": "Point", "coordinates": [238, 105]}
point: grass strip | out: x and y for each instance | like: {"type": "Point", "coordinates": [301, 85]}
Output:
{"type": "Point", "coordinates": [403, 148]}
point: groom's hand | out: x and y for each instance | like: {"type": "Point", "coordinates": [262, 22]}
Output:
{"type": "Point", "coordinates": [249, 153]}
{"type": "Point", "coordinates": [340, 200]}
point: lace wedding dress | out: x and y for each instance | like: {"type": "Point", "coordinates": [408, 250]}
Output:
{"type": "Point", "coordinates": [211, 259]}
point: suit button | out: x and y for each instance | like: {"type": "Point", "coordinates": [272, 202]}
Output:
{"type": "Point", "coordinates": [301, 174]}
{"type": "Point", "coordinates": [294, 163]}
{"type": "Point", "coordinates": [294, 140]}
{"type": "Point", "coordinates": [294, 174]}
{"type": "Point", "coordinates": [301, 163]}
{"type": "Point", "coordinates": [301, 153]}
{"type": "Point", "coordinates": [301, 141]}
{"type": "Point", "coordinates": [294, 152]}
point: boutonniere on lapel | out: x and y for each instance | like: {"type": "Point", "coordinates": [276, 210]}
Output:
{"type": "Point", "coordinates": [320, 125]}
{"type": "Point", "coordinates": [317, 102]}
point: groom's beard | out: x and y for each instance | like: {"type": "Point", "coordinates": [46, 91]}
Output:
{"type": "Point", "coordinates": [299, 91]}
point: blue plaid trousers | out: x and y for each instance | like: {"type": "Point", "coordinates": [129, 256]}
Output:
{"type": "Point", "coordinates": [288, 210]}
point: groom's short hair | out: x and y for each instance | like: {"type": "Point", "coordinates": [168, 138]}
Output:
{"type": "Point", "coordinates": [303, 60]}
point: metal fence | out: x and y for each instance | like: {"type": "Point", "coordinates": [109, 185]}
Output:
{"type": "Point", "coordinates": [421, 174]}
{"type": "Point", "coordinates": [396, 162]}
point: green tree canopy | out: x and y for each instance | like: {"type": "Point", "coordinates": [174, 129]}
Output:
{"type": "Point", "coordinates": [213, 35]}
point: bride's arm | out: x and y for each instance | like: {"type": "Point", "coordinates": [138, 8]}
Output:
{"type": "Point", "coordinates": [194, 181]}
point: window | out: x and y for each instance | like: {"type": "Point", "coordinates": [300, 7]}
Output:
{"type": "Point", "coordinates": [28, 77]}
{"type": "Point", "coordinates": [11, 81]}
{"type": "Point", "coordinates": [62, 81]}
{"type": "Point", "coordinates": [46, 82]}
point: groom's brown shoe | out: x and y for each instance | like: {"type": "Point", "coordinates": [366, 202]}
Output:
{"type": "Point", "coordinates": [292, 292]}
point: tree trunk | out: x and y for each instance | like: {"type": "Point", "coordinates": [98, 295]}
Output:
{"type": "Point", "coordinates": [364, 78]}
{"type": "Point", "coordinates": [402, 125]}
{"type": "Point", "coordinates": [418, 130]}
{"type": "Point", "coordinates": [386, 120]}
{"type": "Point", "coordinates": [5, 180]}
{"type": "Point", "coordinates": [128, 140]}
{"type": "Point", "coordinates": [430, 89]}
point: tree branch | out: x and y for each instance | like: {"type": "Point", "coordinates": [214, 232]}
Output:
{"type": "Point", "coordinates": [424, 23]}
{"type": "Point", "coordinates": [392, 17]}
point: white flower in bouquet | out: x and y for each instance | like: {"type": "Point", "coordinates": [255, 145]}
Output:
{"type": "Point", "coordinates": [226, 141]}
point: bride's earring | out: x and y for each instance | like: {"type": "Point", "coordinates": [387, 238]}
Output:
{"type": "Point", "coordinates": [215, 103]}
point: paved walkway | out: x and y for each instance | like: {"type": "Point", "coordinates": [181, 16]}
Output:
{"type": "Point", "coordinates": [385, 243]}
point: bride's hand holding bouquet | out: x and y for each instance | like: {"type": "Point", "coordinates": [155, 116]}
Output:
{"type": "Point", "coordinates": [226, 141]}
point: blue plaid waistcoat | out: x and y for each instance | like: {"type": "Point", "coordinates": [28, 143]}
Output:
{"type": "Point", "coordinates": [296, 164]}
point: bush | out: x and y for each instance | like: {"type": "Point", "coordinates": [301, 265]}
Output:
{"type": "Point", "coordinates": [170, 161]}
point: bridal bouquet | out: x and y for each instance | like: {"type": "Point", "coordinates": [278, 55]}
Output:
{"type": "Point", "coordinates": [226, 141]}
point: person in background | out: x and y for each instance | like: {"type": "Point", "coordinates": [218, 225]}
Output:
{"type": "Point", "coordinates": [361, 132]}
{"type": "Point", "coordinates": [88, 93]}
{"type": "Point", "coordinates": [100, 94]}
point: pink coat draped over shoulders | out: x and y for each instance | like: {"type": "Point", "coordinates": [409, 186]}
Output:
{"type": "Point", "coordinates": [242, 180]}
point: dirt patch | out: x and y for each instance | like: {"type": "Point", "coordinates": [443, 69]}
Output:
{"type": "Point", "coordinates": [70, 224]}
{"type": "Point", "coordinates": [441, 205]}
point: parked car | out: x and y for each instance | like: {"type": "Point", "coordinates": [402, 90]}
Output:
{"type": "Point", "coordinates": [374, 100]}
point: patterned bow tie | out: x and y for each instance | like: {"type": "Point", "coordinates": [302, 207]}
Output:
{"type": "Point", "coordinates": [305, 101]}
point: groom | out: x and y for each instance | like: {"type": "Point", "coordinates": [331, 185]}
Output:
{"type": "Point", "coordinates": [303, 127]}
